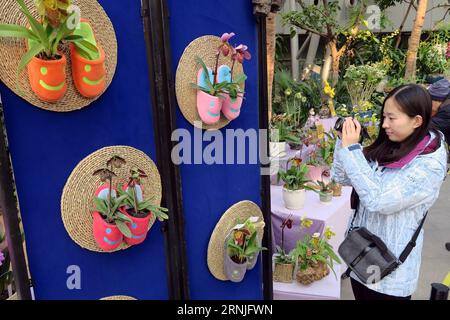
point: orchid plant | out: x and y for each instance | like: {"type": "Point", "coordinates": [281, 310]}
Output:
{"type": "Point", "coordinates": [314, 249]}
{"type": "Point", "coordinates": [233, 87]}
{"type": "Point", "coordinates": [282, 257]}
{"type": "Point", "coordinates": [243, 243]}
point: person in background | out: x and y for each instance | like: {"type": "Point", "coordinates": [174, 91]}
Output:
{"type": "Point", "coordinates": [440, 95]}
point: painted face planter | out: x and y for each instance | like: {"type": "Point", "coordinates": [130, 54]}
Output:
{"type": "Point", "coordinates": [89, 75]}
{"type": "Point", "coordinates": [139, 224]}
{"type": "Point", "coordinates": [48, 78]}
{"type": "Point", "coordinates": [107, 236]}
{"type": "Point", "coordinates": [208, 106]}
{"type": "Point", "coordinates": [231, 108]}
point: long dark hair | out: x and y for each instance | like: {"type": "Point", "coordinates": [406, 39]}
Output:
{"type": "Point", "coordinates": [413, 100]}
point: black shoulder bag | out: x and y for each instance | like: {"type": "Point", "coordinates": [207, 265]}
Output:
{"type": "Point", "coordinates": [367, 255]}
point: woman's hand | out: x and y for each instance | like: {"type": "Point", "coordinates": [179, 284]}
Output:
{"type": "Point", "coordinates": [351, 131]}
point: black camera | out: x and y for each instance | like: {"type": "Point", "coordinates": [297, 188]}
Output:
{"type": "Point", "coordinates": [340, 123]}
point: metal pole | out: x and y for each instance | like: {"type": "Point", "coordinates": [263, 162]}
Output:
{"type": "Point", "coordinates": [8, 203]}
{"type": "Point", "coordinates": [156, 31]}
{"type": "Point", "coordinates": [265, 179]}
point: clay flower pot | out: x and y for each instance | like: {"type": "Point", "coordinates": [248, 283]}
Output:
{"type": "Point", "coordinates": [294, 199]}
{"type": "Point", "coordinates": [326, 197]}
{"type": "Point", "coordinates": [107, 236]}
{"type": "Point", "coordinates": [48, 78]}
{"type": "Point", "coordinates": [337, 189]}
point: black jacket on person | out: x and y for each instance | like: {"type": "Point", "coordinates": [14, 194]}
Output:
{"type": "Point", "coordinates": [442, 121]}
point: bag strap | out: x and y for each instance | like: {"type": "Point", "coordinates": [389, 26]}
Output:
{"type": "Point", "coordinates": [412, 242]}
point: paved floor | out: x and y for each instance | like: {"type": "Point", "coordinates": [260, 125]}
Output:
{"type": "Point", "coordinates": [435, 258]}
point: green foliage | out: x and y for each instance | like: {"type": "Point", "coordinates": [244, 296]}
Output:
{"type": "Point", "coordinates": [109, 209]}
{"type": "Point", "coordinates": [280, 131]}
{"type": "Point", "coordinates": [314, 17]}
{"type": "Point", "coordinates": [214, 89]}
{"type": "Point", "coordinates": [313, 250]}
{"type": "Point", "coordinates": [43, 39]}
{"type": "Point", "coordinates": [143, 206]}
{"type": "Point", "coordinates": [283, 258]}
{"type": "Point", "coordinates": [295, 177]}
{"type": "Point", "coordinates": [243, 243]}
{"type": "Point", "coordinates": [431, 59]}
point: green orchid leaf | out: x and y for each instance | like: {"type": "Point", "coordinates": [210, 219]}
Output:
{"type": "Point", "coordinates": [123, 228]}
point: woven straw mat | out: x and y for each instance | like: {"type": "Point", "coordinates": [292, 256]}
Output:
{"type": "Point", "coordinates": [242, 211]}
{"type": "Point", "coordinates": [118, 298]}
{"type": "Point", "coordinates": [205, 47]}
{"type": "Point", "coordinates": [12, 50]}
{"type": "Point", "coordinates": [77, 201]}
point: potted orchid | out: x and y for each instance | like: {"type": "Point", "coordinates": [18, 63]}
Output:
{"type": "Point", "coordinates": [139, 211]}
{"type": "Point", "coordinates": [217, 90]}
{"type": "Point", "coordinates": [109, 222]}
{"type": "Point", "coordinates": [315, 257]}
{"type": "Point", "coordinates": [45, 62]}
{"type": "Point", "coordinates": [295, 185]}
{"type": "Point", "coordinates": [284, 263]}
{"type": "Point", "coordinates": [242, 246]}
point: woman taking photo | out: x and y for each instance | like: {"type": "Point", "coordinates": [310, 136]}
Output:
{"type": "Point", "coordinates": [397, 179]}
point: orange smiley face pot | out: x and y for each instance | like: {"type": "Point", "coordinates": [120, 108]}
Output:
{"type": "Point", "coordinates": [89, 75]}
{"type": "Point", "coordinates": [48, 78]}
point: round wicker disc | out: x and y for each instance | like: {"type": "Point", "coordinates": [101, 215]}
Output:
{"type": "Point", "coordinates": [12, 50]}
{"type": "Point", "coordinates": [77, 204]}
{"type": "Point", "coordinates": [205, 47]}
{"type": "Point", "coordinates": [242, 211]}
{"type": "Point", "coordinates": [118, 298]}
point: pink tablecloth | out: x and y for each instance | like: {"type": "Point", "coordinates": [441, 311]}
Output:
{"type": "Point", "coordinates": [335, 215]}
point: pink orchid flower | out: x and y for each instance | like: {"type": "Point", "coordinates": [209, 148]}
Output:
{"type": "Point", "coordinates": [2, 258]}
{"type": "Point", "coordinates": [240, 53]}
{"type": "Point", "coordinates": [226, 36]}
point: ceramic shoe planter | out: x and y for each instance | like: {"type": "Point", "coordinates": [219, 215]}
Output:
{"type": "Point", "coordinates": [235, 272]}
{"type": "Point", "coordinates": [107, 236]}
{"type": "Point", "coordinates": [294, 199]}
{"type": "Point", "coordinates": [208, 106]}
{"type": "Point", "coordinates": [231, 109]}
{"type": "Point", "coordinates": [252, 260]}
{"type": "Point", "coordinates": [89, 76]}
{"type": "Point", "coordinates": [48, 78]}
{"type": "Point", "coordinates": [139, 225]}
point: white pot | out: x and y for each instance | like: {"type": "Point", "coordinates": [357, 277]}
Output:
{"type": "Point", "coordinates": [294, 199]}
{"type": "Point", "coordinates": [277, 149]}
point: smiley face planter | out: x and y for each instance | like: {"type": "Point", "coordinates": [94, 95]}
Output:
{"type": "Point", "coordinates": [89, 75]}
{"type": "Point", "coordinates": [107, 236]}
{"type": "Point", "coordinates": [139, 225]}
{"type": "Point", "coordinates": [48, 78]}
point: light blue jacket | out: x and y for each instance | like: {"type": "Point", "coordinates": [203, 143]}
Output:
{"type": "Point", "coordinates": [392, 204]}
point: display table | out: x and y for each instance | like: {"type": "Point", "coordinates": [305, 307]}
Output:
{"type": "Point", "coordinates": [335, 215]}
{"type": "Point", "coordinates": [329, 288]}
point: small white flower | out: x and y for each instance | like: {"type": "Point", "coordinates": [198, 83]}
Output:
{"type": "Point", "coordinates": [316, 235]}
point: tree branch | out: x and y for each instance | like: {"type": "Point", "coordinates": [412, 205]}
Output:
{"type": "Point", "coordinates": [439, 6]}
{"type": "Point", "coordinates": [306, 28]}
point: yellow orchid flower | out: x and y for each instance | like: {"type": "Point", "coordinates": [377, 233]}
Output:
{"type": "Point", "coordinates": [306, 223]}
{"type": "Point", "coordinates": [328, 233]}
